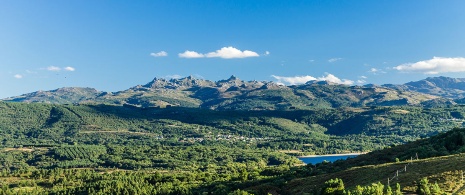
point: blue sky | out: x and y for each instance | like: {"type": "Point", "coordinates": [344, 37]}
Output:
{"type": "Point", "coordinates": [114, 45]}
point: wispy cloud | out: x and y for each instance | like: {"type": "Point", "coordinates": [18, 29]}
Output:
{"type": "Point", "coordinates": [266, 53]}
{"type": "Point", "coordinates": [376, 71]}
{"type": "Point", "coordinates": [225, 53]}
{"type": "Point", "coordinates": [361, 81]}
{"type": "Point", "coordinates": [58, 69]}
{"type": "Point", "coordinates": [190, 54]}
{"type": "Point", "coordinates": [69, 68]}
{"type": "Point", "coordinates": [174, 76]}
{"type": "Point", "coordinates": [53, 68]}
{"type": "Point", "coordinates": [159, 54]}
{"type": "Point", "coordinates": [198, 76]}
{"type": "Point", "coordinates": [18, 76]}
{"type": "Point", "coordinates": [303, 79]}
{"type": "Point", "coordinates": [31, 72]}
{"type": "Point", "coordinates": [334, 60]}
{"type": "Point", "coordinates": [434, 66]}
{"type": "Point", "coordinates": [363, 77]}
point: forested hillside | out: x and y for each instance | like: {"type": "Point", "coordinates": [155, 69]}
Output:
{"type": "Point", "coordinates": [313, 131]}
{"type": "Point", "coordinates": [189, 149]}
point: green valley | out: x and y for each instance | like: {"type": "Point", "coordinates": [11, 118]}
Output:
{"type": "Point", "coordinates": [53, 148]}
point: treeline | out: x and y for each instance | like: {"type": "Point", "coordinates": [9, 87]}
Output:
{"type": "Point", "coordinates": [209, 179]}
{"type": "Point", "coordinates": [131, 157]}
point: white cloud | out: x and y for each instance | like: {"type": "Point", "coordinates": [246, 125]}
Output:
{"type": "Point", "coordinates": [361, 81]}
{"type": "Point", "coordinates": [434, 66]}
{"type": "Point", "coordinates": [293, 80]}
{"type": "Point", "coordinates": [225, 52]}
{"type": "Point", "coordinates": [334, 60]}
{"type": "Point", "coordinates": [363, 77]}
{"type": "Point", "coordinates": [231, 52]}
{"type": "Point", "coordinates": [267, 53]}
{"type": "Point", "coordinates": [334, 79]}
{"type": "Point", "coordinates": [311, 61]}
{"type": "Point", "coordinates": [159, 54]}
{"type": "Point", "coordinates": [69, 68]}
{"type": "Point", "coordinates": [303, 79]}
{"type": "Point", "coordinates": [53, 68]}
{"type": "Point", "coordinates": [18, 76]}
{"type": "Point", "coordinates": [190, 54]}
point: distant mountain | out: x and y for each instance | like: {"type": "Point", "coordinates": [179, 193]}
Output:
{"type": "Point", "coordinates": [439, 86]}
{"type": "Point", "coordinates": [235, 94]}
{"type": "Point", "coordinates": [63, 95]}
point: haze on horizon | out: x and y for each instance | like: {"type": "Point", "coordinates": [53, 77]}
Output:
{"type": "Point", "coordinates": [114, 45]}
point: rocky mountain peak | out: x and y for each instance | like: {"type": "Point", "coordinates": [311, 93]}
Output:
{"type": "Point", "coordinates": [232, 78]}
{"type": "Point", "coordinates": [156, 83]}
{"type": "Point", "coordinates": [232, 81]}
{"type": "Point", "coordinates": [233, 93]}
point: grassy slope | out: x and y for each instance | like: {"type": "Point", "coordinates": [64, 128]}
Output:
{"type": "Point", "coordinates": [445, 170]}
{"type": "Point", "coordinates": [441, 160]}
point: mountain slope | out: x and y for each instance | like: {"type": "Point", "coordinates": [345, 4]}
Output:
{"type": "Point", "coordinates": [65, 95]}
{"type": "Point", "coordinates": [444, 170]}
{"type": "Point", "coordinates": [235, 94]}
{"type": "Point", "coordinates": [439, 86]}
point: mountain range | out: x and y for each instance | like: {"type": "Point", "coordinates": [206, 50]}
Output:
{"type": "Point", "coordinates": [236, 94]}
{"type": "Point", "coordinates": [446, 87]}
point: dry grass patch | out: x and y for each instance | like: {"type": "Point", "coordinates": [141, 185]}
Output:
{"type": "Point", "coordinates": [399, 111]}
{"type": "Point", "coordinates": [19, 149]}
{"type": "Point", "coordinates": [290, 151]}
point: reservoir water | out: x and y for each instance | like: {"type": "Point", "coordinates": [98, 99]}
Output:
{"type": "Point", "coordinates": [321, 158]}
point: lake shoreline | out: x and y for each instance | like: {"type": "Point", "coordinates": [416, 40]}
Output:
{"type": "Point", "coordinates": [346, 154]}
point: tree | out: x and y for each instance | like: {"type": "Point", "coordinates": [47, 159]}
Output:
{"type": "Point", "coordinates": [423, 187]}
{"type": "Point", "coordinates": [435, 189]}
{"type": "Point", "coordinates": [333, 187]}
{"type": "Point", "coordinates": [240, 192]}
{"type": "Point", "coordinates": [358, 190]}
{"type": "Point", "coordinates": [397, 191]}
{"type": "Point", "coordinates": [379, 188]}
{"type": "Point", "coordinates": [388, 190]}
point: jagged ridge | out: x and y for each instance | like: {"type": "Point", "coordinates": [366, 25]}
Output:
{"type": "Point", "coordinates": [236, 94]}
